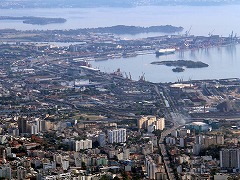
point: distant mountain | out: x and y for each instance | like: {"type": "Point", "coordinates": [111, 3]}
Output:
{"type": "Point", "coordinates": [106, 3]}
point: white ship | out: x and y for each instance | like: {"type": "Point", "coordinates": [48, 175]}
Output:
{"type": "Point", "coordinates": [89, 68]}
{"type": "Point", "coordinates": [165, 51]}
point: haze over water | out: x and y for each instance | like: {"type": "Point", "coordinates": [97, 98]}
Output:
{"type": "Point", "coordinates": [223, 62]}
{"type": "Point", "coordinates": [203, 19]}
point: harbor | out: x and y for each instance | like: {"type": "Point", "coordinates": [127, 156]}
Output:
{"type": "Point", "coordinates": [223, 63]}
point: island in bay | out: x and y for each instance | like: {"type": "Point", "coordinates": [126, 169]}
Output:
{"type": "Point", "coordinates": [178, 69]}
{"type": "Point", "coordinates": [179, 64]}
{"type": "Point", "coordinates": [118, 29]}
{"type": "Point", "coordinates": [35, 20]}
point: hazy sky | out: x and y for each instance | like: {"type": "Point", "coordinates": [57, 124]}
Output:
{"type": "Point", "coordinates": [96, 3]}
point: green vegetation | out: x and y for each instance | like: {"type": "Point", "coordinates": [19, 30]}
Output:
{"type": "Point", "coordinates": [178, 69]}
{"type": "Point", "coordinates": [35, 20]}
{"type": "Point", "coordinates": [182, 63]}
{"type": "Point", "coordinates": [121, 29]}
{"type": "Point", "coordinates": [212, 150]}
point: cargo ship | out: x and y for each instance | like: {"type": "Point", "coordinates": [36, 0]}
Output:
{"type": "Point", "coordinates": [165, 51]}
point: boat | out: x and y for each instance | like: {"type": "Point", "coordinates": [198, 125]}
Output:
{"type": "Point", "coordinates": [178, 69]}
{"type": "Point", "coordinates": [165, 51]}
{"type": "Point", "coordinates": [89, 68]}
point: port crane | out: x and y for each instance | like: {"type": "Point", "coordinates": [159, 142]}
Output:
{"type": "Point", "coordinates": [211, 33]}
{"type": "Point", "coordinates": [232, 37]}
{"type": "Point", "coordinates": [130, 76]}
{"type": "Point", "coordinates": [142, 78]}
{"type": "Point", "coordinates": [126, 75]}
{"type": "Point", "coordinates": [187, 33]}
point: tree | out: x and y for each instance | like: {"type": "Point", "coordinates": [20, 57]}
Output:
{"type": "Point", "coordinates": [124, 175]}
{"type": "Point", "coordinates": [84, 166]}
{"type": "Point", "coordinates": [157, 133]}
{"type": "Point", "coordinates": [105, 177]}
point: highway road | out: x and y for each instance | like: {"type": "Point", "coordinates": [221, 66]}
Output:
{"type": "Point", "coordinates": [166, 160]}
{"type": "Point", "coordinates": [177, 120]}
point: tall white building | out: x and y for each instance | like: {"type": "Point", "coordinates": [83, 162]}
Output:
{"type": "Point", "coordinates": [160, 124]}
{"type": "Point", "coordinates": [199, 139]}
{"type": "Point", "coordinates": [83, 144]}
{"type": "Point", "coordinates": [230, 158]}
{"type": "Point", "coordinates": [117, 136]}
{"type": "Point", "coordinates": [151, 167]}
{"type": "Point", "coordinates": [65, 164]}
{"type": "Point", "coordinates": [34, 129]}
{"type": "Point", "coordinates": [41, 125]}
